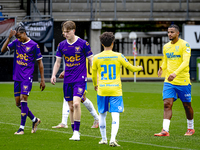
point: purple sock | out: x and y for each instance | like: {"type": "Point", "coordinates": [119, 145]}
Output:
{"type": "Point", "coordinates": [30, 115]}
{"type": "Point", "coordinates": [72, 125]}
{"type": "Point", "coordinates": [76, 125]}
{"type": "Point", "coordinates": [24, 113]}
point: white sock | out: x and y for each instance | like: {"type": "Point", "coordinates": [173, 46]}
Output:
{"type": "Point", "coordinates": [65, 112]}
{"type": "Point", "coordinates": [22, 127]}
{"type": "Point", "coordinates": [166, 123]}
{"type": "Point", "coordinates": [190, 124]}
{"type": "Point", "coordinates": [88, 104]}
{"type": "Point", "coordinates": [115, 125]}
{"type": "Point", "coordinates": [102, 125]}
{"type": "Point", "coordinates": [34, 119]}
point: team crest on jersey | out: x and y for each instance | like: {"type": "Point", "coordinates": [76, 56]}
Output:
{"type": "Point", "coordinates": [176, 48]}
{"type": "Point", "coordinates": [77, 49]}
{"type": "Point", "coordinates": [187, 44]}
{"type": "Point", "coordinates": [25, 87]}
{"type": "Point", "coordinates": [28, 49]}
{"type": "Point", "coordinates": [80, 90]}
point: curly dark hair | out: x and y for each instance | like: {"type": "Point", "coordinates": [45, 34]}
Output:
{"type": "Point", "coordinates": [174, 26]}
{"type": "Point", "coordinates": [107, 38]}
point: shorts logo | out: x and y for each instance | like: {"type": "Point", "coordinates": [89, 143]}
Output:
{"type": "Point", "coordinates": [25, 87]}
{"type": "Point", "coordinates": [80, 90]}
{"type": "Point", "coordinates": [23, 114]}
{"type": "Point", "coordinates": [119, 107]}
{"type": "Point", "coordinates": [187, 95]}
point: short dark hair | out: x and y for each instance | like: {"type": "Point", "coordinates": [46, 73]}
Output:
{"type": "Point", "coordinates": [69, 25]}
{"type": "Point", "coordinates": [20, 29]}
{"type": "Point", "coordinates": [107, 38]}
{"type": "Point", "coordinates": [174, 26]}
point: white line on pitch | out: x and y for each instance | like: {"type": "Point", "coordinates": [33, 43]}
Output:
{"type": "Point", "coordinates": [100, 137]}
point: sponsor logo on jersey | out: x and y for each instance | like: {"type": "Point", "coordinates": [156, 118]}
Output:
{"type": "Point", "coordinates": [188, 50]}
{"type": "Point", "coordinates": [171, 55]}
{"type": "Point", "coordinates": [187, 44]}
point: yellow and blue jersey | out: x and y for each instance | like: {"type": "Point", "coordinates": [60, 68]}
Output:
{"type": "Point", "coordinates": [176, 60]}
{"type": "Point", "coordinates": [107, 65]}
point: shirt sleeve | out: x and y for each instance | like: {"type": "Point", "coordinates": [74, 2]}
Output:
{"type": "Point", "coordinates": [94, 72]}
{"type": "Point", "coordinates": [12, 45]}
{"type": "Point", "coordinates": [88, 51]}
{"type": "Point", "coordinates": [38, 54]}
{"type": "Point", "coordinates": [164, 63]}
{"type": "Point", "coordinates": [186, 59]}
{"type": "Point", "coordinates": [58, 51]}
{"type": "Point", "coordinates": [128, 65]}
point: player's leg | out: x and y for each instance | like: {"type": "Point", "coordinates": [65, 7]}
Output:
{"type": "Point", "coordinates": [184, 93]}
{"type": "Point", "coordinates": [116, 107]}
{"type": "Point", "coordinates": [78, 91]}
{"type": "Point", "coordinates": [77, 118]}
{"type": "Point", "coordinates": [65, 114]}
{"type": "Point", "coordinates": [102, 103]}
{"type": "Point", "coordinates": [90, 107]}
{"type": "Point", "coordinates": [71, 113]}
{"type": "Point", "coordinates": [169, 96]}
{"type": "Point", "coordinates": [24, 88]}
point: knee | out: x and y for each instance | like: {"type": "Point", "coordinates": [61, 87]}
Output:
{"type": "Point", "coordinates": [76, 105]}
{"type": "Point", "coordinates": [167, 105]}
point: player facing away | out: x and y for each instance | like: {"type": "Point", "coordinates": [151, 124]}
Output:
{"type": "Point", "coordinates": [75, 51]}
{"type": "Point", "coordinates": [109, 89]}
{"type": "Point", "coordinates": [176, 60]}
{"type": "Point", "coordinates": [26, 51]}
{"type": "Point", "coordinates": [85, 101]}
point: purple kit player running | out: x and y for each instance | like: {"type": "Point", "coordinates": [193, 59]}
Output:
{"type": "Point", "coordinates": [75, 51]}
{"type": "Point", "coordinates": [26, 52]}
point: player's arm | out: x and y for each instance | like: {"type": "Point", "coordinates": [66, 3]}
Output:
{"type": "Point", "coordinates": [55, 70]}
{"type": "Point", "coordinates": [61, 75]}
{"type": "Point", "coordinates": [41, 69]}
{"type": "Point", "coordinates": [164, 65]}
{"type": "Point", "coordinates": [128, 65]}
{"type": "Point", "coordinates": [4, 47]}
{"type": "Point", "coordinates": [94, 75]}
{"type": "Point", "coordinates": [90, 59]}
{"type": "Point", "coordinates": [184, 64]}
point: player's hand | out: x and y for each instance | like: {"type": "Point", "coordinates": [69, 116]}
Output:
{"type": "Point", "coordinates": [96, 88]}
{"type": "Point", "coordinates": [53, 80]}
{"type": "Point", "coordinates": [62, 75]}
{"type": "Point", "coordinates": [42, 85]}
{"type": "Point", "coordinates": [160, 72]}
{"type": "Point", "coordinates": [142, 68]}
{"type": "Point", "coordinates": [12, 33]}
{"type": "Point", "coordinates": [171, 77]}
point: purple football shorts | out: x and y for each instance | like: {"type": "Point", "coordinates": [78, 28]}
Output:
{"type": "Point", "coordinates": [73, 89]}
{"type": "Point", "coordinates": [22, 87]}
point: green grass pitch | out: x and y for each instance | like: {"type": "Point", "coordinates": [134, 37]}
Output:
{"type": "Point", "coordinates": [142, 118]}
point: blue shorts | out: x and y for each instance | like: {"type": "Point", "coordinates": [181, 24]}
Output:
{"type": "Point", "coordinates": [115, 103]}
{"type": "Point", "coordinates": [171, 91]}
{"type": "Point", "coordinates": [22, 87]}
{"type": "Point", "coordinates": [73, 89]}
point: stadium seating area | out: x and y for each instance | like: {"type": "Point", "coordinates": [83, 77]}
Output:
{"type": "Point", "coordinates": [104, 10]}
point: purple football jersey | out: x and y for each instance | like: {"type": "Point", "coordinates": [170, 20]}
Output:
{"type": "Point", "coordinates": [24, 59]}
{"type": "Point", "coordinates": [75, 55]}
